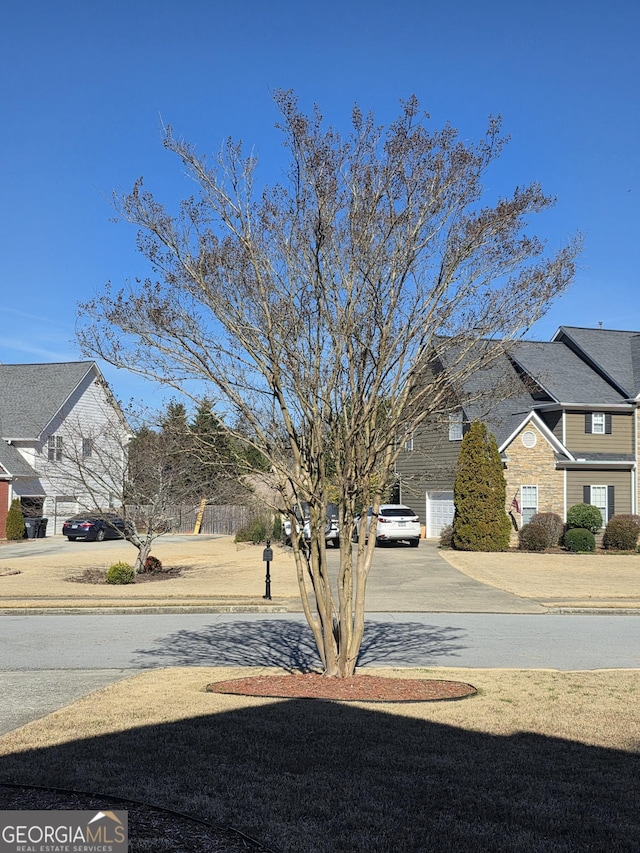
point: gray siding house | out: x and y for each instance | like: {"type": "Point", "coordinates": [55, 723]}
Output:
{"type": "Point", "coordinates": [52, 416]}
{"type": "Point", "coordinates": [567, 429]}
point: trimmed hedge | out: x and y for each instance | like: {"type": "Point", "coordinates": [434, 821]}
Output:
{"type": "Point", "coordinates": [533, 537]}
{"type": "Point", "coordinates": [553, 525]}
{"type": "Point", "coordinates": [622, 532]}
{"type": "Point", "coordinates": [584, 516]}
{"type": "Point", "coordinates": [579, 540]}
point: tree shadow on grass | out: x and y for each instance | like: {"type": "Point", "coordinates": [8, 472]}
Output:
{"type": "Point", "coordinates": [321, 777]}
{"type": "Point", "coordinates": [290, 645]}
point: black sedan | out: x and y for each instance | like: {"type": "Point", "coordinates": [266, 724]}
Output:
{"type": "Point", "coordinates": [94, 528]}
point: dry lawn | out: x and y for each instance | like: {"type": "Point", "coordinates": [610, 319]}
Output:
{"type": "Point", "coordinates": [215, 568]}
{"type": "Point", "coordinates": [603, 579]}
{"type": "Point", "coordinates": [538, 760]}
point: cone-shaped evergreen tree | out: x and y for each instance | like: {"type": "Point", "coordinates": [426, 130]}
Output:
{"type": "Point", "coordinates": [15, 521]}
{"type": "Point", "coordinates": [481, 522]}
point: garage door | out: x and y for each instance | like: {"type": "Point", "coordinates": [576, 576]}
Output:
{"type": "Point", "coordinates": [440, 511]}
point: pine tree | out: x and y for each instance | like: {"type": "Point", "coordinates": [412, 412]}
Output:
{"type": "Point", "coordinates": [479, 493]}
{"type": "Point", "coordinates": [15, 521]}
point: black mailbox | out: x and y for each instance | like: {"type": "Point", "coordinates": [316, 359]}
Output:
{"type": "Point", "coordinates": [267, 555]}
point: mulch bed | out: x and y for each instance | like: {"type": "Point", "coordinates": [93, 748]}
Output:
{"type": "Point", "coordinates": [358, 688]}
{"type": "Point", "coordinates": [97, 576]}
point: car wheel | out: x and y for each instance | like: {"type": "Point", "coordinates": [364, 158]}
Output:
{"type": "Point", "coordinates": [415, 543]}
{"type": "Point", "coordinates": [354, 537]}
{"type": "Point", "coordinates": [99, 536]}
{"type": "Point", "coordinates": [379, 542]}
{"type": "Point", "coordinates": [336, 543]}
{"type": "Point", "coordinates": [72, 538]}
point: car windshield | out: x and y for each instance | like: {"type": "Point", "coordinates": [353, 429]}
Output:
{"type": "Point", "coordinates": [396, 511]}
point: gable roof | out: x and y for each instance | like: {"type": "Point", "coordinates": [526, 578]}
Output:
{"type": "Point", "coordinates": [12, 463]}
{"type": "Point", "coordinates": [615, 354]}
{"type": "Point", "coordinates": [534, 418]}
{"type": "Point", "coordinates": [562, 374]}
{"type": "Point", "coordinates": [494, 393]}
{"type": "Point", "coordinates": [32, 394]}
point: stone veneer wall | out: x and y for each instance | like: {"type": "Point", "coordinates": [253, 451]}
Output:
{"type": "Point", "coordinates": [534, 466]}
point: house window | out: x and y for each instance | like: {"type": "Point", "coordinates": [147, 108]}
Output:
{"type": "Point", "coordinates": [54, 449]}
{"type": "Point", "coordinates": [599, 496]}
{"type": "Point", "coordinates": [455, 426]}
{"type": "Point", "coordinates": [87, 447]}
{"type": "Point", "coordinates": [529, 507]}
{"type": "Point", "coordinates": [598, 423]}
{"type": "Point", "coordinates": [408, 439]}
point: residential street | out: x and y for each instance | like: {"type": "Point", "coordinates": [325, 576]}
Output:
{"type": "Point", "coordinates": [68, 646]}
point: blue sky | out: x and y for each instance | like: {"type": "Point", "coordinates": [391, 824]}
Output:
{"type": "Point", "coordinates": [85, 87]}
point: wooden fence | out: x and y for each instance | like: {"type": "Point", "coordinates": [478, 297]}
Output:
{"type": "Point", "coordinates": [223, 520]}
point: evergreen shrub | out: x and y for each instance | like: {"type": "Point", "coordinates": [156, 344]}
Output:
{"type": "Point", "coordinates": [533, 537]}
{"type": "Point", "coordinates": [15, 521]}
{"type": "Point", "coordinates": [553, 524]}
{"type": "Point", "coordinates": [586, 516]}
{"type": "Point", "coordinates": [579, 540]}
{"type": "Point", "coordinates": [120, 573]}
{"type": "Point", "coordinates": [258, 531]}
{"type": "Point", "coordinates": [621, 533]}
{"type": "Point", "coordinates": [276, 533]}
{"type": "Point", "coordinates": [481, 522]}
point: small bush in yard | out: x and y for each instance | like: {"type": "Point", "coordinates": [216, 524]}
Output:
{"type": "Point", "coordinates": [258, 531]}
{"type": "Point", "coordinates": [580, 540]}
{"type": "Point", "coordinates": [152, 565]}
{"type": "Point", "coordinates": [586, 516]}
{"type": "Point", "coordinates": [622, 532]}
{"type": "Point", "coordinates": [533, 537]}
{"type": "Point", "coordinates": [121, 573]}
{"type": "Point", "coordinates": [553, 524]}
{"type": "Point", "coordinates": [446, 535]}
{"type": "Point", "coordinates": [15, 521]}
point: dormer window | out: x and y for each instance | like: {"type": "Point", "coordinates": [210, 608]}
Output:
{"type": "Point", "coordinates": [598, 423]}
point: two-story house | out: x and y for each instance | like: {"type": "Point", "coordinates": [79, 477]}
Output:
{"type": "Point", "coordinates": [566, 429]}
{"type": "Point", "coordinates": [55, 420]}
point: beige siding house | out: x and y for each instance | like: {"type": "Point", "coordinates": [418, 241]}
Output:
{"type": "Point", "coordinates": [567, 431]}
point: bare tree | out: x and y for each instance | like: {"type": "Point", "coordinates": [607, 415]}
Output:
{"type": "Point", "coordinates": [115, 473]}
{"type": "Point", "coordinates": [313, 310]}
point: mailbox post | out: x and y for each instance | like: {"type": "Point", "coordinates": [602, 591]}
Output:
{"type": "Point", "coordinates": [267, 557]}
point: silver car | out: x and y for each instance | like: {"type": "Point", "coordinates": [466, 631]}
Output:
{"type": "Point", "coordinates": [331, 531]}
{"type": "Point", "coordinates": [396, 523]}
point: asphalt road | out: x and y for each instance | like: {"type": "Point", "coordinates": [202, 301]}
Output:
{"type": "Point", "coordinates": [49, 661]}
{"type": "Point", "coordinates": [133, 642]}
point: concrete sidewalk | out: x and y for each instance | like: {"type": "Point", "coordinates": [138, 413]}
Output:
{"type": "Point", "coordinates": [38, 576]}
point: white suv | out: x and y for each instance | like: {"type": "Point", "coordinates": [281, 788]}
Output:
{"type": "Point", "coordinates": [396, 523]}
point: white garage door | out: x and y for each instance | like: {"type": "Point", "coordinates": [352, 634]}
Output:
{"type": "Point", "coordinates": [440, 511]}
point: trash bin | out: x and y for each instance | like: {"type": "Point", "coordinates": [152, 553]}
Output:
{"type": "Point", "coordinates": [42, 527]}
{"type": "Point", "coordinates": [30, 527]}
